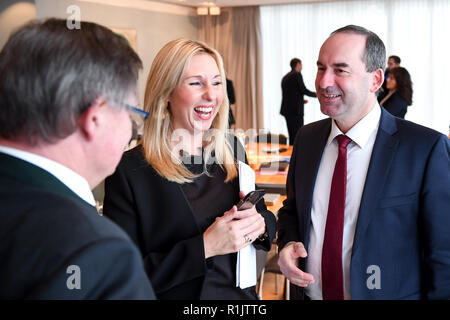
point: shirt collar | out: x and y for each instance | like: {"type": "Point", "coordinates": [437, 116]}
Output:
{"type": "Point", "coordinates": [70, 178]}
{"type": "Point", "coordinates": [361, 131]}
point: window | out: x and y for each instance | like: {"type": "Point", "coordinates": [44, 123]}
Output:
{"type": "Point", "coordinates": [415, 30]}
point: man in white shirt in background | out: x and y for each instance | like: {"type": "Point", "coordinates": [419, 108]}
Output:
{"type": "Point", "coordinates": [64, 123]}
{"type": "Point", "coordinates": [366, 214]}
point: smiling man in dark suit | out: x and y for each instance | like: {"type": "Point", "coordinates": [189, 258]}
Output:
{"type": "Point", "coordinates": [292, 103]}
{"type": "Point", "coordinates": [368, 196]}
{"type": "Point", "coordinates": [63, 127]}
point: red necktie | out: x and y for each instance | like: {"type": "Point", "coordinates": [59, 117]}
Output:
{"type": "Point", "coordinates": [332, 273]}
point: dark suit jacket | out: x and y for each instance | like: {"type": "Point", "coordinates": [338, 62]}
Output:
{"type": "Point", "coordinates": [45, 228]}
{"type": "Point", "coordinates": [404, 217]}
{"type": "Point", "coordinates": [231, 100]}
{"type": "Point", "coordinates": [396, 105]}
{"type": "Point", "coordinates": [158, 217]}
{"type": "Point", "coordinates": [293, 90]}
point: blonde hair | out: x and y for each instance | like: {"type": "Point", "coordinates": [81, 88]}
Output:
{"type": "Point", "coordinates": [167, 71]}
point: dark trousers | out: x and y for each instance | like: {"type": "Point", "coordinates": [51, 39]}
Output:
{"type": "Point", "coordinates": [294, 123]}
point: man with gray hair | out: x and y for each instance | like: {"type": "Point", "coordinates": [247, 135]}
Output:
{"type": "Point", "coordinates": [65, 99]}
{"type": "Point", "coordinates": [366, 215]}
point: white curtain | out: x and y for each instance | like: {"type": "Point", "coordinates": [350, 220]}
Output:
{"type": "Point", "coordinates": [236, 35]}
{"type": "Point", "coordinates": [415, 30]}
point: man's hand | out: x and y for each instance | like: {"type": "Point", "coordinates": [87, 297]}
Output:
{"type": "Point", "coordinates": [288, 262]}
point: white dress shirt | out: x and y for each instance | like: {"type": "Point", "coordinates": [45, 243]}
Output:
{"type": "Point", "coordinates": [70, 178]}
{"type": "Point", "coordinates": [359, 152]}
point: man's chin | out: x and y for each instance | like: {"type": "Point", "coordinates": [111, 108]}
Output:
{"type": "Point", "coordinates": [330, 110]}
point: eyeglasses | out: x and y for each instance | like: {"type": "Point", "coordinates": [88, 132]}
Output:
{"type": "Point", "coordinates": [137, 116]}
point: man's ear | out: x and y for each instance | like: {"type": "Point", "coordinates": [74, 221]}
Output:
{"type": "Point", "coordinates": [91, 118]}
{"type": "Point", "coordinates": [377, 80]}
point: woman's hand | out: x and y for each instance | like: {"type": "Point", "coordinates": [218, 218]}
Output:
{"type": "Point", "coordinates": [233, 231]}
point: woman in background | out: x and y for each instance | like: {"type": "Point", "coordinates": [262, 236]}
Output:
{"type": "Point", "coordinates": [175, 194]}
{"type": "Point", "coordinates": [400, 93]}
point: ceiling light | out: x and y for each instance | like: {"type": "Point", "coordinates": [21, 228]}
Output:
{"type": "Point", "coordinates": [202, 11]}
{"type": "Point", "coordinates": [214, 11]}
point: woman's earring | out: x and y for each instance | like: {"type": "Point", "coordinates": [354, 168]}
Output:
{"type": "Point", "coordinates": [166, 110]}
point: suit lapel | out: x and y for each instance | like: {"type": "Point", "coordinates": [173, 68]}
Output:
{"type": "Point", "coordinates": [383, 153]}
{"type": "Point", "coordinates": [27, 173]}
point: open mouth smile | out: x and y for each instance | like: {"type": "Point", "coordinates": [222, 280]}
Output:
{"type": "Point", "coordinates": [329, 97]}
{"type": "Point", "coordinates": [204, 112]}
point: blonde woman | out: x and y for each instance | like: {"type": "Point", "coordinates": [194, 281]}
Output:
{"type": "Point", "coordinates": [175, 194]}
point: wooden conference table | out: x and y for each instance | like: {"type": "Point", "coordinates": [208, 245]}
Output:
{"type": "Point", "coordinates": [272, 181]}
{"type": "Point", "coordinates": [277, 205]}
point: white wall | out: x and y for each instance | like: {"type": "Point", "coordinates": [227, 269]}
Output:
{"type": "Point", "coordinates": [13, 14]}
{"type": "Point", "coordinates": [155, 24]}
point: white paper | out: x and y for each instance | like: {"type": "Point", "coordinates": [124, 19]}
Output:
{"type": "Point", "coordinates": [246, 257]}
{"type": "Point", "coordinates": [246, 178]}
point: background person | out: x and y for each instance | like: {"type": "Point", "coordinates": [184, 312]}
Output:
{"type": "Point", "coordinates": [393, 62]}
{"type": "Point", "coordinates": [367, 193]}
{"type": "Point", "coordinates": [400, 92]}
{"type": "Point", "coordinates": [175, 194]}
{"type": "Point", "coordinates": [231, 100]}
{"type": "Point", "coordinates": [292, 104]}
{"type": "Point", "coordinates": [63, 129]}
